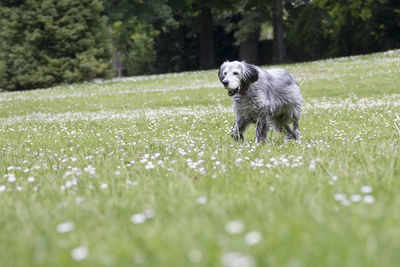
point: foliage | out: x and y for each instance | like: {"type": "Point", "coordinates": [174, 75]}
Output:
{"type": "Point", "coordinates": [243, 17]}
{"type": "Point", "coordinates": [135, 26]}
{"type": "Point", "coordinates": [51, 42]}
{"type": "Point", "coordinates": [308, 32]}
{"type": "Point", "coordinates": [177, 45]}
{"type": "Point", "coordinates": [137, 42]}
{"type": "Point", "coordinates": [314, 29]}
{"type": "Point", "coordinates": [323, 28]}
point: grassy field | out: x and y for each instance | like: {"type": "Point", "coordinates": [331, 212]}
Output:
{"type": "Point", "coordinates": [143, 172]}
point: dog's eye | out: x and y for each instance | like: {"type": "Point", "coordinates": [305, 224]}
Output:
{"type": "Point", "coordinates": [225, 73]}
{"type": "Point", "coordinates": [235, 73]}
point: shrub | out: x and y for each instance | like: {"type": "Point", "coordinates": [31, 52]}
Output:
{"type": "Point", "coordinates": [48, 42]}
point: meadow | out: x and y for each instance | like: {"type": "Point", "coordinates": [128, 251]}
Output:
{"type": "Point", "coordinates": [142, 171]}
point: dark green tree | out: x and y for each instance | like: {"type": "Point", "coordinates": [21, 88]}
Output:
{"type": "Point", "coordinates": [279, 41]}
{"type": "Point", "coordinates": [48, 42]}
{"type": "Point", "coordinates": [251, 14]}
{"type": "Point", "coordinates": [322, 28]}
{"type": "Point", "coordinates": [309, 31]}
{"type": "Point", "coordinates": [202, 26]}
{"type": "Point", "coordinates": [135, 26]}
{"type": "Point", "coordinates": [363, 26]}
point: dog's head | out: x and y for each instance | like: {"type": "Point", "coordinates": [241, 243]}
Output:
{"type": "Point", "coordinates": [236, 76]}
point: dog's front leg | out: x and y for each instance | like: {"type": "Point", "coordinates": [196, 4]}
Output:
{"type": "Point", "coordinates": [262, 130]}
{"type": "Point", "coordinates": [238, 128]}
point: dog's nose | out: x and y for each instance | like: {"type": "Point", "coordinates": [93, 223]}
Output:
{"type": "Point", "coordinates": [225, 83]}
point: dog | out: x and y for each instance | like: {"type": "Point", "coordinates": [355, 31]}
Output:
{"type": "Point", "coordinates": [263, 97]}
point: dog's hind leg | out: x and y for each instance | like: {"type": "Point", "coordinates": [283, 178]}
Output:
{"type": "Point", "coordinates": [296, 118]}
{"type": "Point", "coordinates": [262, 130]}
{"type": "Point", "coordinates": [238, 129]}
{"type": "Point", "coordinates": [283, 128]}
{"type": "Point", "coordinates": [296, 130]}
{"type": "Point", "coordinates": [291, 134]}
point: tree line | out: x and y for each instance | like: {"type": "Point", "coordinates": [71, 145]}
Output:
{"type": "Point", "coordinates": [49, 42]}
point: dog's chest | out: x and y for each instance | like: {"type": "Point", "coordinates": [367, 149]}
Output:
{"type": "Point", "coordinates": [251, 106]}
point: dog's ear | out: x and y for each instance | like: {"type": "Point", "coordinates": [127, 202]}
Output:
{"type": "Point", "coordinates": [250, 74]}
{"type": "Point", "coordinates": [220, 72]}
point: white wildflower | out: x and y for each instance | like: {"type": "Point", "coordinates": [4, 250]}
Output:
{"type": "Point", "coordinates": [11, 178]}
{"type": "Point", "coordinates": [252, 238]}
{"type": "Point", "coordinates": [201, 200]}
{"type": "Point", "coordinates": [65, 227]}
{"type": "Point", "coordinates": [138, 218]}
{"type": "Point", "coordinates": [366, 189]}
{"type": "Point", "coordinates": [340, 197]}
{"type": "Point", "coordinates": [237, 259]}
{"type": "Point", "coordinates": [149, 213]}
{"type": "Point", "coordinates": [234, 227]}
{"type": "Point", "coordinates": [80, 253]}
{"type": "Point", "coordinates": [368, 199]}
{"type": "Point", "coordinates": [355, 198]}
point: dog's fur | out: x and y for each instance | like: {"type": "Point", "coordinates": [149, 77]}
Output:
{"type": "Point", "coordinates": [264, 97]}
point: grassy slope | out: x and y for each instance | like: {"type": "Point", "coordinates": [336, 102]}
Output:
{"type": "Point", "coordinates": [77, 140]}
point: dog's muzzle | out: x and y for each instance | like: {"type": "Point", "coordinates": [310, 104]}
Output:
{"type": "Point", "coordinates": [232, 92]}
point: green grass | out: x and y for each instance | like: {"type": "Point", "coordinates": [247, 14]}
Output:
{"type": "Point", "coordinates": [101, 152]}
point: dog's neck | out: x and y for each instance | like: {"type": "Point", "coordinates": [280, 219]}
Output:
{"type": "Point", "coordinates": [243, 89]}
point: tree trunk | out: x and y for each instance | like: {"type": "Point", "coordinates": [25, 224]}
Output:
{"type": "Point", "coordinates": [278, 42]}
{"type": "Point", "coordinates": [248, 50]}
{"type": "Point", "coordinates": [206, 39]}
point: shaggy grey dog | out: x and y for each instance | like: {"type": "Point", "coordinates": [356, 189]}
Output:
{"type": "Point", "coordinates": [264, 97]}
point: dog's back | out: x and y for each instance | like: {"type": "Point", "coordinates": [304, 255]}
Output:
{"type": "Point", "coordinates": [285, 96]}
{"type": "Point", "coordinates": [273, 93]}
